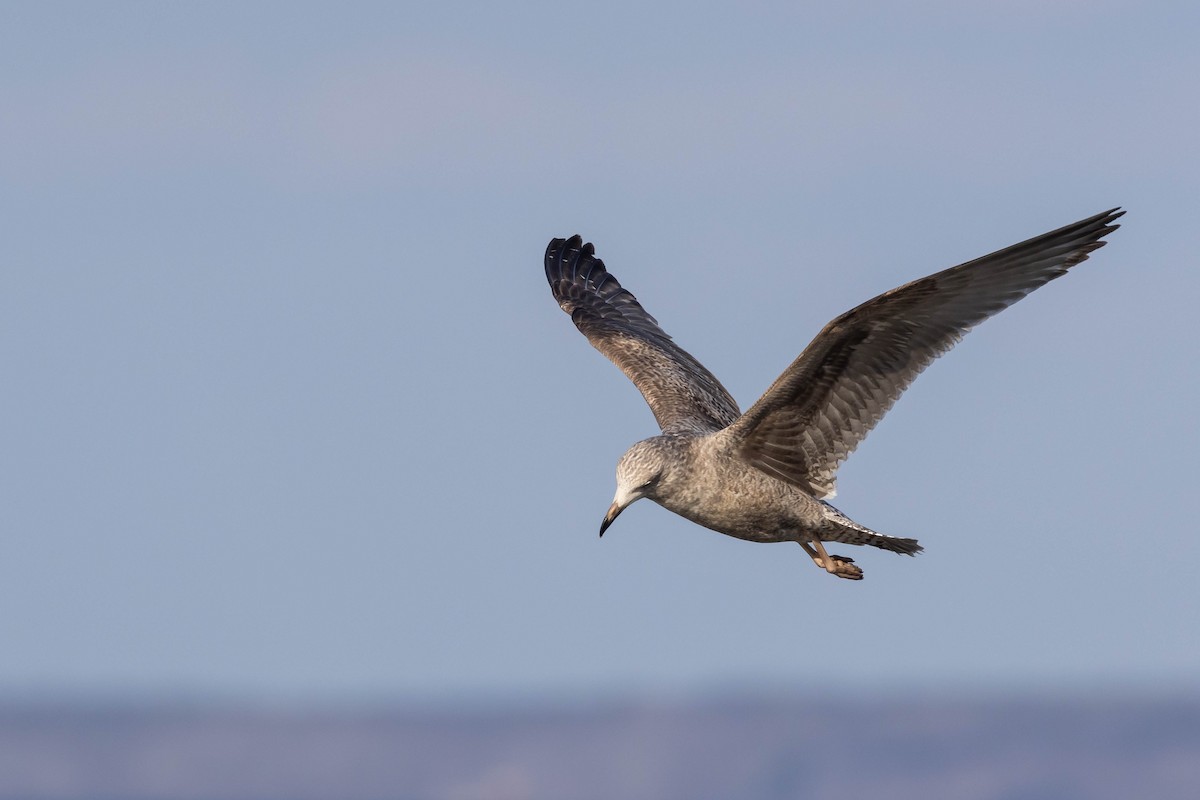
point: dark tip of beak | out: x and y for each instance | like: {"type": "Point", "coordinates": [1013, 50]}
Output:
{"type": "Point", "coordinates": [613, 512]}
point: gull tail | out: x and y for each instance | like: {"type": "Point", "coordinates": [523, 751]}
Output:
{"type": "Point", "coordinates": [840, 528]}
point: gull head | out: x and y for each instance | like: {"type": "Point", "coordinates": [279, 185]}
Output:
{"type": "Point", "coordinates": [638, 474]}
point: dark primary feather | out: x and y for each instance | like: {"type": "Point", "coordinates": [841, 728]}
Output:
{"type": "Point", "coordinates": [830, 398]}
{"type": "Point", "coordinates": [682, 394]}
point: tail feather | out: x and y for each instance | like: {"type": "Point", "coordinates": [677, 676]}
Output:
{"type": "Point", "coordinates": [840, 528]}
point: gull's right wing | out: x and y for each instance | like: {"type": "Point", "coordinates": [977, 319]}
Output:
{"type": "Point", "coordinates": [683, 395]}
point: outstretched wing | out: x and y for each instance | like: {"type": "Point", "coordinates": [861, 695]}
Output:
{"type": "Point", "coordinates": [682, 394]}
{"type": "Point", "coordinates": [830, 398]}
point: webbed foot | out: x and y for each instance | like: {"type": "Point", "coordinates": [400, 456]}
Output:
{"type": "Point", "coordinates": [841, 566]}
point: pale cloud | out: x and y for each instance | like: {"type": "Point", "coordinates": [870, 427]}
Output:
{"type": "Point", "coordinates": [454, 116]}
{"type": "Point", "coordinates": [130, 115]}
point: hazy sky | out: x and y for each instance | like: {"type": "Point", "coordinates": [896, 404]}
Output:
{"type": "Point", "coordinates": [288, 408]}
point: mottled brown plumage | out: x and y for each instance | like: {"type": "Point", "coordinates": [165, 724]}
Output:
{"type": "Point", "coordinates": [762, 475]}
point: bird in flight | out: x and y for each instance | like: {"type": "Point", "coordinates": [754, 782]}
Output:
{"type": "Point", "coordinates": [765, 475]}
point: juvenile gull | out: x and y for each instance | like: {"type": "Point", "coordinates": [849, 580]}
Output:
{"type": "Point", "coordinates": [764, 475]}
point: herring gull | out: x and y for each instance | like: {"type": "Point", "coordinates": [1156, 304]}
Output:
{"type": "Point", "coordinates": [765, 475]}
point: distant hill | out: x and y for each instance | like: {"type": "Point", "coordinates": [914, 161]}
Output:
{"type": "Point", "coordinates": [1019, 748]}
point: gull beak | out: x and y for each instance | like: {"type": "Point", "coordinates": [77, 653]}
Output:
{"type": "Point", "coordinates": [613, 511]}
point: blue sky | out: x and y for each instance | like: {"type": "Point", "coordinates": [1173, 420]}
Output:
{"type": "Point", "coordinates": [289, 410]}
